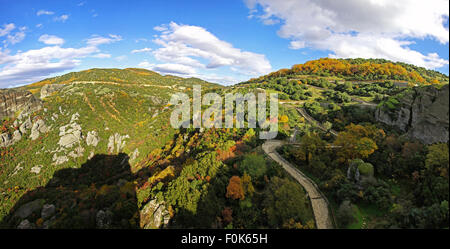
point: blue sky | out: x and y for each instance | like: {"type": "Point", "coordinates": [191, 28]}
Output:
{"type": "Point", "coordinates": [220, 41]}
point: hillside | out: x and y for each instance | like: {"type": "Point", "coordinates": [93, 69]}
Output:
{"type": "Point", "coordinates": [359, 70]}
{"type": "Point", "coordinates": [94, 149]}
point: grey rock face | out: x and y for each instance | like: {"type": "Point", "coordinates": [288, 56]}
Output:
{"type": "Point", "coordinates": [423, 114]}
{"type": "Point", "coordinates": [12, 101]}
{"type": "Point", "coordinates": [48, 89]}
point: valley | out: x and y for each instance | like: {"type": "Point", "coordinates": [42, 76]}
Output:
{"type": "Point", "coordinates": [360, 144]}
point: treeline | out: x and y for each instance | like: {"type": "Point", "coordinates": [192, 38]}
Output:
{"type": "Point", "coordinates": [361, 69]}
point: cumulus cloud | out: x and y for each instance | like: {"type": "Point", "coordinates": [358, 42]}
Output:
{"type": "Point", "coordinates": [36, 64]}
{"type": "Point", "coordinates": [143, 50]}
{"type": "Point", "coordinates": [365, 28]}
{"type": "Point", "coordinates": [51, 40]}
{"type": "Point", "coordinates": [44, 12]}
{"type": "Point", "coordinates": [186, 48]}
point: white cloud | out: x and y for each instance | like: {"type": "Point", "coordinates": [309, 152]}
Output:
{"type": "Point", "coordinates": [364, 28]}
{"type": "Point", "coordinates": [36, 64]}
{"type": "Point", "coordinates": [32, 65]}
{"type": "Point", "coordinates": [39, 25]}
{"type": "Point", "coordinates": [7, 28]}
{"type": "Point", "coordinates": [44, 12]}
{"type": "Point", "coordinates": [51, 40]}
{"type": "Point", "coordinates": [101, 56]}
{"type": "Point", "coordinates": [10, 37]}
{"type": "Point", "coordinates": [99, 40]}
{"type": "Point", "coordinates": [187, 72]}
{"type": "Point", "coordinates": [197, 48]}
{"type": "Point", "coordinates": [143, 50]}
{"type": "Point", "coordinates": [62, 18]}
{"type": "Point", "coordinates": [81, 3]}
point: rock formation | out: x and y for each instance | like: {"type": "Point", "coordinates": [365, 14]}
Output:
{"type": "Point", "coordinates": [48, 89]}
{"type": "Point", "coordinates": [422, 114]}
{"type": "Point", "coordinates": [13, 101]}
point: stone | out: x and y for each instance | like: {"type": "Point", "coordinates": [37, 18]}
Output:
{"type": "Point", "coordinates": [47, 211]}
{"type": "Point", "coordinates": [17, 135]}
{"type": "Point", "coordinates": [103, 219]}
{"type": "Point", "coordinates": [92, 138]}
{"type": "Point", "coordinates": [36, 169]}
{"type": "Point", "coordinates": [25, 224]}
{"type": "Point", "coordinates": [154, 215]}
{"type": "Point", "coordinates": [27, 209]}
{"type": "Point", "coordinates": [116, 142]}
{"type": "Point", "coordinates": [38, 127]}
{"type": "Point", "coordinates": [78, 152]}
{"type": "Point", "coordinates": [134, 155]}
{"type": "Point", "coordinates": [5, 140]}
{"type": "Point", "coordinates": [25, 126]}
{"type": "Point", "coordinates": [57, 160]}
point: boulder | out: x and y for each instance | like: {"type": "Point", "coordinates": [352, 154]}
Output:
{"type": "Point", "coordinates": [27, 209]}
{"type": "Point", "coordinates": [47, 211]}
{"type": "Point", "coordinates": [5, 140]}
{"type": "Point", "coordinates": [103, 219]}
{"type": "Point", "coordinates": [38, 127]}
{"type": "Point", "coordinates": [25, 224]}
{"type": "Point", "coordinates": [25, 125]}
{"type": "Point", "coordinates": [92, 138]}
{"type": "Point", "coordinates": [154, 215]}
{"type": "Point", "coordinates": [36, 169]}
{"type": "Point", "coordinates": [17, 135]}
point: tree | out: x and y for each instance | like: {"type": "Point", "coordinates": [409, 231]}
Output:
{"type": "Point", "coordinates": [227, 214]}
{"type": "Point", "coordinates": [247, 184]}
{"type": "Point", "coordinates": [234, 189]}
{"type": "Point", "coordinates": [356, 141]}
{"type": "Point", "coordinates": [285, 200]}
{"type": "Point", "coordinates": [437, 159]}
{"type": "Point", "coordinates": [254, 165]}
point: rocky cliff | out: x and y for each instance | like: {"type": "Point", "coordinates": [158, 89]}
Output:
{"type": "Point", "coordinates": [421, 112]}
{"type": "Point", "coordinates": [12, 101]}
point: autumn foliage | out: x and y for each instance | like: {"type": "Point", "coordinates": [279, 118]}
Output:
{"type": "Point", "coordinates": [235, 189]}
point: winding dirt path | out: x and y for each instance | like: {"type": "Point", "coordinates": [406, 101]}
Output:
{"type": "Point", "coordinates": [318, 200]}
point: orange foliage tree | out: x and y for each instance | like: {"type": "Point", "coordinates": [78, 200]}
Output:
{"type": "Point", "coordinates": [235, 189]}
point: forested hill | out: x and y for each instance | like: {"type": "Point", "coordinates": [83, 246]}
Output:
{"type": "Point", "coordinates": [360, 69]}
{"type": "Point", "coordinates": [120, 76]}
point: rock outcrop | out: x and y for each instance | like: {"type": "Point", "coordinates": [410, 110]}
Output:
{"type": "Point", "coordinates": [422, 113]}
{"type": "Point", "coordinates": [48, 89]}
{"type": "Point", "coordinates": [154, 215]}
{"type": "Point", "coordinates": [13, 101]}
